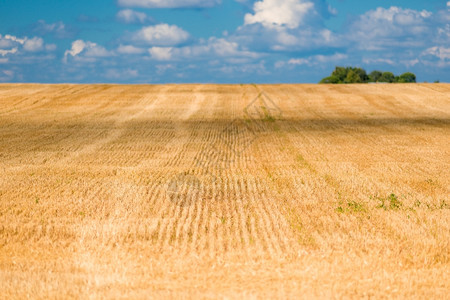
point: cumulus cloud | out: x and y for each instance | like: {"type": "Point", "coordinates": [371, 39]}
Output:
{"type": "Point", "coordinates": [5, 43]}
{"type": "Point", "coordinates": [225, 48]}
{"type": "Point", "coordinates": [213, 47]}
{"type": "Point", "coordinates": [168, 3]}
{"type": "Point", "coordinates": [34, 44]}
{"type": "Point", "coordinates": [89, 50]}
{"type": "Point", "coordinates": [287, 26]}
{"type": "Point", "coordinates": [129, 49]}
{"type": "Point", "coordinates": [270, 13]}
{"type": "Point", "coordinates": [161, 53]}
{"type": "Point", "coordinates": [161, 35]}
{"type": "Point", "coordinates": [282, 39]}
{"type": "Point", "coordinates": [77, 47]}
{"type": "Point", "coordinates": [12, 38]}
{"type": "Point", "coordinates": [4, 52]}
{"type": "Point", "coordinates": [393, 27]}
{"type": "Point", "coordinates": [10, 44]}
{"type": "Point", "coordinates": [131, 16]}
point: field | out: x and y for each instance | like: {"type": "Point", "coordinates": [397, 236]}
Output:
{"type": "Point", "coordinates": [224, 191]}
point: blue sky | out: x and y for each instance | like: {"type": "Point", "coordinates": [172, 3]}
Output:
{"type": "Point", "coordinates": [222, 41]}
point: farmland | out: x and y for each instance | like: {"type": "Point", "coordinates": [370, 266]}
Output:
{"type": "Point", "coordinates": [209, 191]}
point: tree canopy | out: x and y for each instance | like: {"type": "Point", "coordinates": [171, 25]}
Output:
{"type": "Point", "coordinates": [359, 75]}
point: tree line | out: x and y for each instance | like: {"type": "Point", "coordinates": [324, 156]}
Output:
{"type": "Point", "coordinates": [359, 75]}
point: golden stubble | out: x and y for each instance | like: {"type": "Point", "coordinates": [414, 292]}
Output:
{"type": "Point", "coordinates": [156, 191]}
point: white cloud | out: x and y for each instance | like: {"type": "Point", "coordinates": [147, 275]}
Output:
{"type": "Point", "coordinates": [161, 35]}
{"type": "Point", "coordinates": [214, 47]}
{"type": "Point", "coordinates": [129, 49]}
{"type": "Point", "coordinates": [131, 16]}
{"type": "Point", "coordinates": [220, 47]}
{"type": "Point", "coordinates": [299, 61]}
{"type": "Point", "coordinates": [168, 3]}
{"type": "Point", "coordinates": [224, 48]}
{"type": "Point", "coordinates": [393, 27]}
{"type": "Point", "coordinates": [282, 39]}
{"type": "Point", "coordinates": [14, 38]}
{"type": "Point", "coordinates": [272, 13]}
{"type": "Point", "coordinates": [77, 47]}
{"type": "Point", "coordinates": [318, 59]}
{"type": "Point", "coordinates": [161, 53]}
{"type": "Point", "coordinates": [10, 51]}
{"type": "Point", "coordinates": [4, 43]}
{"type": "Point", "coordinates": [333, 11]}
{"type": "Point", "coordinates": [34, 44]}
{"type": "Point", "coordinates": [10, 44]}
{"type": "Point", "coordinates": [440, 52]}
{"type": "Point", "coordinates": [330, 58]}
{"type": "Point", "coordinates": [444, 32]}
{"type": "Point", "coordinates": [387, 61]}
{"type": "Point", "coordinates": [286, 39]}
{"type": "Point", "coordinates": [287, 26]}
{"type": "Point", "coordinates": [410, 62]}
{"type": "Point", "coordinates": [88, 49]}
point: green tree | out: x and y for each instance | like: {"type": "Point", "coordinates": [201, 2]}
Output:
{"type": "Point", "coordinates": [387, 77]}
{"type": "Point", "coordinates": [374, 76]}
{"type": "Point", "coordinates": [362, 74]}
{"type": "Point", "coordinates": [407, 77]}
{"type": "Point", "coordinates": [330, 79]}
{"type": "Point", "coordinates": [352, 77]}
{"type": "Point", "coordinates": [359, 75]}
{"type": "Point", "coordinates": [340, 73]}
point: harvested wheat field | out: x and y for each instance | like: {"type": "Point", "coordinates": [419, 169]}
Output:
{"type": "Point", "coordinates": [224, 191]}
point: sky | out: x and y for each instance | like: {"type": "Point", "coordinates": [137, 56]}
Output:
{"type": "Point", "coordinates": [220, 41]}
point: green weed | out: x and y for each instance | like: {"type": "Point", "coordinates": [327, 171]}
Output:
{"type": "Point", "coordinates": [390, 203]}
